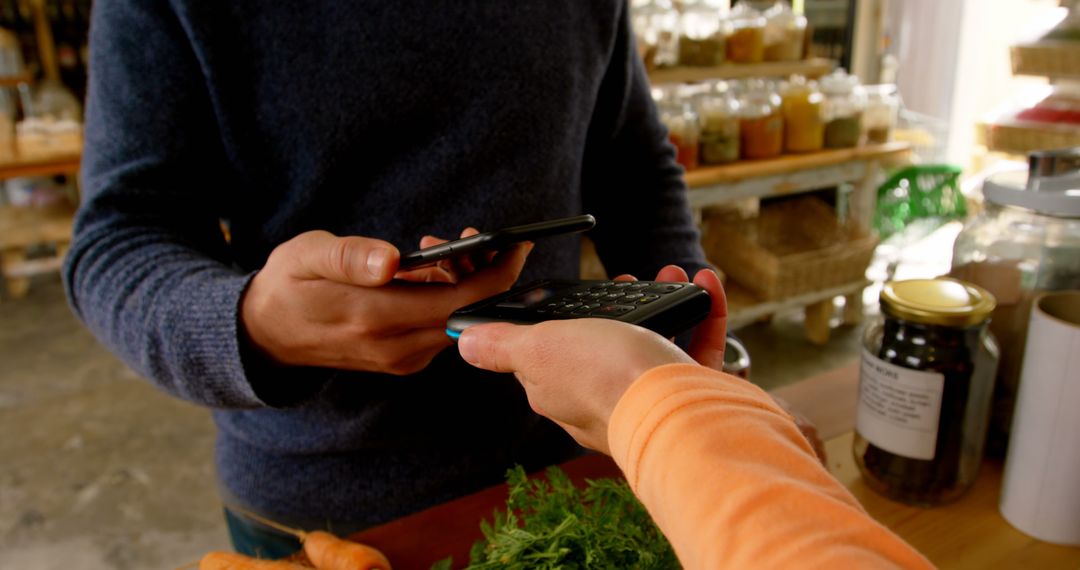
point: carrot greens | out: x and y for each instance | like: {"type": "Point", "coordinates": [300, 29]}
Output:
{"type": "Point", "coordinates": [552, 524]}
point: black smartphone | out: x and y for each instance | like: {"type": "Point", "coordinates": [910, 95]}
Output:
{"type": "Point", "coordinates": [496, 240]}
{"type": "Point", "coordinates": [666, 308]}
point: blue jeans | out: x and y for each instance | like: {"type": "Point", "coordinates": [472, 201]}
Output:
{"type": "Point", "coordinates": [253, 538]}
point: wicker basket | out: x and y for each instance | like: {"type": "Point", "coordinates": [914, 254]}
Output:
{"type": "Point", "coordinates": [1019, 137]}
{"type": "Point", "coordinates": [793, 247]}
{"type": "Point", "coordinates": [1048, 58]}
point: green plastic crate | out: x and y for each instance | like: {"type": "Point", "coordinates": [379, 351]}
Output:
{"type": "Point", "coordinates": [918, 192]}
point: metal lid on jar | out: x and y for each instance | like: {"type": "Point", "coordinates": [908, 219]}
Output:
{"type": "Point", "coordinates": [942, 301]}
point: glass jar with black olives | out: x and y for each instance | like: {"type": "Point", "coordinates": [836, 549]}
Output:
{"type": "Point", "coordinates": [925, 381]}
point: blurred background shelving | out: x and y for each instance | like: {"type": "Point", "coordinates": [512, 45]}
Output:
{"type": "Point", "coordinates": [43, 62]}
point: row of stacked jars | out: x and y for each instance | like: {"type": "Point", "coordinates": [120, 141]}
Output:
{"type": "Point", "coordinates": [706, 33]}
{"type": "Point", "coordinates": [725, 121]}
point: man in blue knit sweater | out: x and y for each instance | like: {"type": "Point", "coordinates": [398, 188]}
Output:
{"type": "Point", "coordinates": [297, 122]}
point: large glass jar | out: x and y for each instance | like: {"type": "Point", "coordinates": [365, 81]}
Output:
{"type": "Point", "coordinates": [746, 42]}
{"type": "Point", "coordinates": [761, 124]}
{"type": "Point", "coordinates": [925, 380]}
{"type": "Point", "coordinates": [1026, 241]}
{"type": "Point", "coordinates": [701, 35]}
{"type": "Point", "coordinates": [785, 33]}
{"type": "Point", "coordinates": [882, 108]}
{"type": "Point", "coordinates": [719, 113]}
{"type": "Point", "coordinates": [656, 29]}
{"type": "Point", "coordinates": [804, 123]}
{"type": "Point", "coordinates": [843, 109]}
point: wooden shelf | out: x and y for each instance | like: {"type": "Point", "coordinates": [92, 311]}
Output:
{"type": "Point", "coordinates": [744, 308]}
{"type": "Point", "coordinates": [23, 227]}
{"type": "Point", "coordinates": [789, 163]}
{"type": "Point", "coordinates": [788, 174]}
{"type": "Point", "coordinates": [814, 67]}
{"type": "Point", "coordinates": [13, 166]}
{"type": "Point", "coordinates": [782, 176]}
{"type": "Point", "coordinates": [15, 80]}
{"type": "Point", "coordinates": [1055, 59]}
{"type": "Point", "coordinates": [792, 174]}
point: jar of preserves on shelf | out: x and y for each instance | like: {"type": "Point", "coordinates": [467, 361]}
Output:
{"type": "Point", "coordinates": [701, 35]}
{"type": "Point", "coordinates": [843, 109]}
{"type": "Point", "coordinates": [785, 33]}
{"type": "Point", "coordinates": [1026, 241]}
{"type": "Point", "coordinates": [925, 381]}
{"type": "Point", "coordinates": [882, 108]}
{"type": "Point", "coordinates": [656, 30]}
{"type": "Point", "coordinates": [761, 124]}
{"type": "Point", "coordinates": [719, 113]}
{"type": "Point", "coordinates": [746, 41]}
{"type": "Point", "coordinates": [682, 122]}
{"type": "Point", "coordinates": [804, 123]}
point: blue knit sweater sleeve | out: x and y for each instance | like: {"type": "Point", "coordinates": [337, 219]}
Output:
{"type": "Point", "coordinates": [147, 270]}
{"type": "Point", "coordinates": [631, 181]}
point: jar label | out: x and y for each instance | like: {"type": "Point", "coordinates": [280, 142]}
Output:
{"type": "Point", "coordinates": [899, 408]}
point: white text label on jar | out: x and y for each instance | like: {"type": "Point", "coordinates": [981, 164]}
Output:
{"type": "Point", "coordinates": [899, 408]}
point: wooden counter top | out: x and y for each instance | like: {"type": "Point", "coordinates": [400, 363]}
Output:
{"type": "Point", "coordinates": [969, 533]}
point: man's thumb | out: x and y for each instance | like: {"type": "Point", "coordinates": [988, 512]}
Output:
{"type": "Point", "coordinates": [350, 260]}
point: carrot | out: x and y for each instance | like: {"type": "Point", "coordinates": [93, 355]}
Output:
{"type": "Point", "coordinates": [328, 552]}
{"type": "Point", "coordinates": [233, 561]}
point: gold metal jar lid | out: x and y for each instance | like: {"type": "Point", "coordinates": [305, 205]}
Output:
{"type": "Point", "coordinates": [942, 301]}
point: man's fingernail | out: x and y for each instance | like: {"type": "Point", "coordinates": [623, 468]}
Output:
{"type": "Point", "coordinates": [467, 347]}
{"type": "Point", "coordinates": [376, 261]}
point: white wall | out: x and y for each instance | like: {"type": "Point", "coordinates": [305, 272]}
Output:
{"type": "Point", "coordinates": [925, 38]}
{"type": "Point", "coordinates": [954, 59]}
{"type": "Point", "coordinates": [984, 79]}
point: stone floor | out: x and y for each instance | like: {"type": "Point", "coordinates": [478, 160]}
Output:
{"type": "Point", "coordinates": [98, 469]}
{"type": "Point", "coordinates": [101, 471]}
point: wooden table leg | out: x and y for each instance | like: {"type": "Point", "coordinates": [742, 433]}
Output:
{"type": "Point", "coordinates": [17, 287]}
{"type": "Point", "coordinates": [864, 198]}
{"type": "Point", "coordinates": [853, 308]}
{"type": "Point", "coordinates": [817, 321]}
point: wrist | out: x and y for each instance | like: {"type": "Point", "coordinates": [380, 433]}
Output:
{"type": "Point", "coordinates": [254, 339]}
{"type": "Point", "coordinates": [275, 383]}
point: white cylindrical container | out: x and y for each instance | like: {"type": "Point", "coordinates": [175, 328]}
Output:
{"type": "Point", "coordinates": [1040, 493]}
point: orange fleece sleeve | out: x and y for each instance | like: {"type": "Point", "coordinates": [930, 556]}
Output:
{"type": "Point", "coordinates": [732, 483]}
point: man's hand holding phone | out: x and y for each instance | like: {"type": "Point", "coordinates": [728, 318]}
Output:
{"type": "Point", "coordinates": [462, 256]}
{"type": "Point", "coordinates": [329, 301]}
{"type": "Point", "coordinates": [448, 270]}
